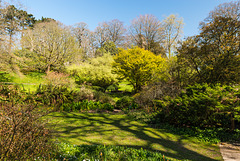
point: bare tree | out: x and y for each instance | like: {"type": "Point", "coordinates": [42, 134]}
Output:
{"type": "Point", "coordinates": [81, 32]}
{"type": "Point", "coordinates": [101, 34]}
{"type": "Point", "coordinates": [110, 31]}
{"type": "Point", "coordinates": [52, 42]}
{"type": "Point", "coordinates": [146, 32]}
{"type": "Point", "coordinates": [172, 31]}
{"type": "Point", "coordinates": [91, 45]}
{"type": "Point", "coordinates": [231, 9]}
{"type": "Point", "coordinates": [116, 31]}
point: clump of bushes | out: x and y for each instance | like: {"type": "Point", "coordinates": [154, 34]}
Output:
{"type": "Point", "coordinates": [103, 97]}
{"type": "Point", "coordinates": [23, 134]}
{"type": "Point", "coordinates": [96, 71]}
{"type": "Point", "coordinates": [111, 153]}
{"type": "Point", "coordinates": [126, 102]}
{"type": "Point", "coordinates": [51, 95]}
{"type": "Point", "coordinates": [86, 105]}
{"type": "Point", "coordinates": [157, 91]}
{"type": "Point", "coordinates": [202, 106]}
{"type": "Point", "coordinates": [59, 79]}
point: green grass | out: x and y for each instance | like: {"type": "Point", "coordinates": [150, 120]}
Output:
{"type": "Point", "coordinates": [125, 86]}
{"type": "Point", "coordinates": [29, 82]}
{"type": "Point", "coordinates": [109, 153]}
{"type": "Point", "coordinates": [110, 129]}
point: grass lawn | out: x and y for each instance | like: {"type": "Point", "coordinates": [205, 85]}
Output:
{"type": "Point", "coordinates": [114, 129]}
{"type": "Point", "coordinates": [125, 86]}
{"type": "Point", "coordinates": [29, 82]}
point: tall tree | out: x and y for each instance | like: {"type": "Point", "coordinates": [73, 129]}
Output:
{"type": "Point", "coordinates": [101, 34]}
{"type": "Point", "coordinates": [146, 31]}
{"type": "Point", "coordinates": [53, 44]}
{"type": "Point", "coordinates": [12, 22]}
{"type": "Point", "coordinates": [217, 48]}
{"type": "Point", "coordinates": [81, 32]}
{"type": "Point", "coordinates": [138, 66]}
{"type": "Point", "coordinates": [172, 30]}
{"type": "Point", "coordinates": [116, 32]}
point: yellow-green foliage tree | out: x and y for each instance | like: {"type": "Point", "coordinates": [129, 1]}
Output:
{"type": "Point", "coordinates": [139, 66]}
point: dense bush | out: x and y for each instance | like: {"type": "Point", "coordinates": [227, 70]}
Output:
{"type": "Point", "coordinates": [23, 134]}
{"type": "Point", "coordinates": [110, 153]}
{"type": "Point", "coordinates": [5, 77]}
{"type": "Point", "coordinates": [59, 79]}
{"type": "Point", "coordinates": [86, 106]}
{"type": "Point", "coordinates": [103, 97]}
{"type": "Point", "coordinates": [97, 72]}
{"type": "Point", "coordinates": [56, 96]}
{"type": "Point", "coordinates": [51, 95]}
{"type": "Point", "coordinates": [126, 102]}
{"type": "Point", "coordinates": [202, 106]}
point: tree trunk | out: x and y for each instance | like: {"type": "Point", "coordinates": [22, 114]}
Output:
{"type": "Point", "coordinates": [232, 123]}
{"type": "Point", "coordinates": [48, 68]}
{"type": "Point", "coordinates": [12, 58]}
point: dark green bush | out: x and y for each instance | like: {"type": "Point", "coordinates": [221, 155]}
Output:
{"type": "Point", "coordinates": [56, 96]}
{"type": "Point", "coordinates": [108, 106]}
{"type": "Point", "coordinates": [202, 106]}
{"type": "Point", "coordinates": [51, 95]}
{"type": "Point", "coordinates": [5, 77]}
{"type": "Point", "coordinates": [86, 105]}
{"type": "Point", "coordinates": [102, 97]}
{"type": "Point", "coordinates": [126, 102]}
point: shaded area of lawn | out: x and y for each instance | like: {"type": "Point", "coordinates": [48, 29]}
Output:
{"type": "Point", "coordinates": [108, 129]}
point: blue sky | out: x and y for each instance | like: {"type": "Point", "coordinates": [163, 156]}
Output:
{"type": "Point", "coordinates": [92, 12]}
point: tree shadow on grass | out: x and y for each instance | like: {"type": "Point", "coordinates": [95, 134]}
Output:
{"type": "Point", "coordinates": [97, 125]}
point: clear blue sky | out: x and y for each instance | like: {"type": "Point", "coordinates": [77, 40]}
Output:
{"type": "Point", "coordinates": [92, 12]}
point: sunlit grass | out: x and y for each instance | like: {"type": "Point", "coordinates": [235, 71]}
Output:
{"type": "Point", "coordinates": [125, 86]}
{"type": "Point", "coordinates": [109, 129]}
{"type": "Point", "coordinates": [29, 82]}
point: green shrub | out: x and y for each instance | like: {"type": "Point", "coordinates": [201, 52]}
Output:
{"type": "Point", "coordinates": [110, 153]}
{"type": "Point", "coordinates": [97, 72]}
{"type": "Point", "coordinates": [5, 77]}
{"type": "Point", "coordinates": [54, 95]}
{"type": "Point", "coordinates": [108, 106]}
{"type": "Point", "coordinates": [86, 105]}
{"type": "Point", "coordinates": [103, 97]}
{"type": "Point", "coordinates": [202, 106]}
{"type": "Point", "coordinates": [126, 102]}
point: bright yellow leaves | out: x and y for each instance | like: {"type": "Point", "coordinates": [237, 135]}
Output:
{"type": "Point", "coordinates": [139, 66]}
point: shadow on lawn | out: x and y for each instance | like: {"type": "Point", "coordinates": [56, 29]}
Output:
{"type": "Point", "coordinates": [175, 149]}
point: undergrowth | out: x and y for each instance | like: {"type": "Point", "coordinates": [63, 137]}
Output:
{"type": "Point", "coordinates": [110, 153]}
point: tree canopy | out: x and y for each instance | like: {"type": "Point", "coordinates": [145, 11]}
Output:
{"type": "Point", "coordinates": [52, 43]}
{"type": "Point", "coordinates": [138, 66]}
{"type": "Point", "coordinates": [214, 54]}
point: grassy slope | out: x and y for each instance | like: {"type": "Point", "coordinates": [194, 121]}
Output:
{"type": "Point", "coordinates": [29, 82]}
{"type": "Point", "coordinates": [109, 129]}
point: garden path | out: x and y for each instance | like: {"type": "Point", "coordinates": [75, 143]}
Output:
{"type": "Point", "coordinates": [230, 152]}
